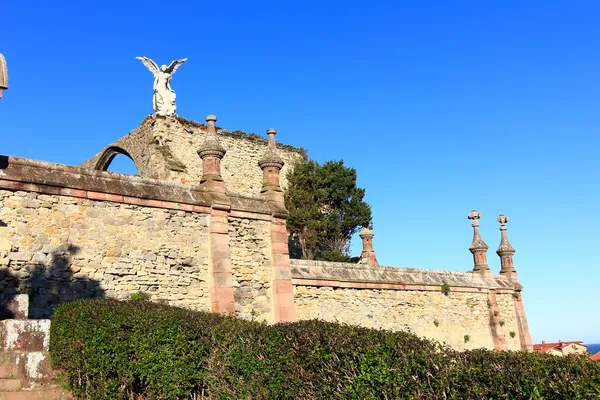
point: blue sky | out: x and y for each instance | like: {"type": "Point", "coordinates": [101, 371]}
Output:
{"type": "Point", "coordinates": [441, 107]}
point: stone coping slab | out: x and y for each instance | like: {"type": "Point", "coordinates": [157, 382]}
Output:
{"type": "Point", "coordinates": [45, 177]}
{"type": "Point", "coordinates": [360, 276]}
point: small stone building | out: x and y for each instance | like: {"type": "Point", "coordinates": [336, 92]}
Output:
{"type": "Point", "coordinates": [203, 226]}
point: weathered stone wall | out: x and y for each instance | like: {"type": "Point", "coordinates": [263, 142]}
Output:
{"type": "Point", "coordinates": [251, 268]}
{"type": "Point", "coordinates": [59, 248]}
{"type": "Point", "coordinates": [430, 314]}
{"type": "Point", "coordinates": [166, 148]}
{"type": "Point", "coordinates": [69, 232]}
{"type": "Point", "coordinates": [407, 299]}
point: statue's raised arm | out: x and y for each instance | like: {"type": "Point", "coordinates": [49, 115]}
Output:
{"type": "Point", "coordinates": [164, 96]}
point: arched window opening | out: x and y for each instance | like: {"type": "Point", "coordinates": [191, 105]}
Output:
{"type": "Point", "coordinates": [122, 164]}
{"type": "Point", "coordinates": [115, 159]}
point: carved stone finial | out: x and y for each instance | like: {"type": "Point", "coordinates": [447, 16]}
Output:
{"type": "Point", "coordinates": [3, 75]}
{"type": "Point", "coordinates": [505, 250]}
{"type": "Point", "coordinates": [211, 146]}
{"type": "Point", "coordinates": [478, 246]}
{"type": "Point", "coordinates": [474, 215]}
{"type": "Point", "coordinates": [164, 97]}
{"type": "Point", "coordinates": [271, 159]}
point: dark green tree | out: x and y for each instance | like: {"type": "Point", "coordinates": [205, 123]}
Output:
{"type": "Point", "coordinates": [326, 209]}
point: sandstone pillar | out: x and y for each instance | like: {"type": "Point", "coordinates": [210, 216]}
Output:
{"type": "Point", "coordinates": [478, 247]}
{"type": "Point", "coordinates": [523, 326]}
{"type": "Point", "coordinates": [495, 318]}
{"type": "Point", "coordinates": [220, 274]}
{"type": "Point", "coordinates": [368, 253]}
{"type": "Point", "coordinates": [284, 309]}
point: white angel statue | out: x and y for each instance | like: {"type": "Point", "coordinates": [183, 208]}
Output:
{"type": "Point", "coordinates": [164, 96]}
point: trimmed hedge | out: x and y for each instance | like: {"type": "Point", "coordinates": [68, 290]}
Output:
{"type": "Point", "coordinates": [137, 349]}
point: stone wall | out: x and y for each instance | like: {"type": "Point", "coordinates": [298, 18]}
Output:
{"type": "Point", "coordinates": [70, 232]}
{"type": "Point", "coordinates": [426, 313]}
{"type": "Point", "coordinates": [165, 148]}
{"type": "Point", "coordinates": [408, 299]}
{"type": "Point", "coordinates": [251, 267]}
{"type": "Point", "coordinates": [59, 248]}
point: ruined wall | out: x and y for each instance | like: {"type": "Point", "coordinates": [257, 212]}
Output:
{"type": "Point", "coordinates": [166, 148]}
{"type": "Point", "coordinates": [59, 248]}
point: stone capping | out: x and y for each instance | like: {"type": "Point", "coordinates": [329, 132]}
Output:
{"type": "Point", "coordinates": [349, 275]}
{"type": "Point", "coordinates": [40, 176]}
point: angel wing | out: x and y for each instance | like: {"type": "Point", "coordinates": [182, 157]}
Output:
{"type": "Point", "coordinates": [151, 65]}
{"type": "Point", "coordinates": [174, 65]}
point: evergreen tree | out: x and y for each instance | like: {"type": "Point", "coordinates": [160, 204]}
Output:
{"type": "Point", "coordinates": [326, 209]}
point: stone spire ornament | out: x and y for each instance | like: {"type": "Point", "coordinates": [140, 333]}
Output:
{"type": "Point", "coordinates": [506, 251]}
{"type": "Point", "coordinates": [3, 74]}
{"type": "Point", "coordinates": [478, 247]}
{"type": "Point", "coordinates": [271, 164]}
{"type": "Point", "coordinates": [164, 97]}
{"type": "Point", "coordinates": [368, 252]}
{"type": "Point", "coordinates": [211, 152]}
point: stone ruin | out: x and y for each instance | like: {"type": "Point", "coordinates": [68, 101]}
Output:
{"type": "Point", "coordinates": [203, 226]}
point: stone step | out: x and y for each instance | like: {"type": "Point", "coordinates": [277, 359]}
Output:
{"type": "Point", "coordinates": [29, 366]}
{"type": "Point", "coordinates": [38, 395]}
{"type": "Point", "coordinates": [24, 335]}
{"type": "Point", "coordinates": [9, 385]}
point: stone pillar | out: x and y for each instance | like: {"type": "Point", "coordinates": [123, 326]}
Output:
{"type": "Point", "coordinates": [368, 253]}
{"type": "Point", "coordinates": [522, 325]}
{"type": "Point", "coordinates": [478, 247]}
{"type": "Point", "coordinates": [284, 309]}
{"type": "Point", "coordinates": [3, 75]}
{"type": "Point", "coordinates": [495, 318]}
{"type": "Point", "coordinates": [506, 252]}
{"type": "Point", "coordinates": [212, 153]}
{"type": "Point", "coordinates": [220, 274]}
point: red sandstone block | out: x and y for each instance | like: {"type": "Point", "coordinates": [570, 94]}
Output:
{"type": "Point", "coordinates": [9, 385]}
{"type": "Point", "coordinates": [218, 227]}
{"type": "Point", "coordinates": [96, 195]}
{"type": "Point", "coordinates": [282, 286]}
{"type": "Point", "coordinates": [132, 200]}
{"type": "Point", "coordinates": [222, 300]}
{"type": "Point", "coordinates": [201, 209]}
{"type": "Point", "coordinates": [77, 193]}
{"type": "Point", "coordinates": [219, 239]}
{"type": "Point", "coordinates": [279, 237]}
{"type": "Point", "coordinates": [222, 266]}
{"type": "Point", "coordinates": [115, 198]}
{"type": "Point", "coordinates": [186, 207]}
{"type": "Point", "coordinates": [153, 203]}
{"type": "Point", "coordinates": [222, 280]}
{"type": "Point", "coordinates": [169, 204]}
{"type": "Point", "coordinates": [6, 371]}
{"type": "Point", "coordinates": [280, 248]}
{"type": "Point", "coordinates": [281, 260]}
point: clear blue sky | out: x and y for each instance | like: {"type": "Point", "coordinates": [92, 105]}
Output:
{"type": "Point", "coordinates": [441, 106]}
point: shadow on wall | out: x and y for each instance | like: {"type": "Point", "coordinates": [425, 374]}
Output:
{"type": "Point", "coordinates": [48, 279]}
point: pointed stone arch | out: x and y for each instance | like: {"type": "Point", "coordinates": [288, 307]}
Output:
{"type": "Point", "coordinates": [108, 155]}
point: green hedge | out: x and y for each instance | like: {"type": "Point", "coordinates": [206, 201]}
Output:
{"type": "Point", "coordinates": [135, 350]}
